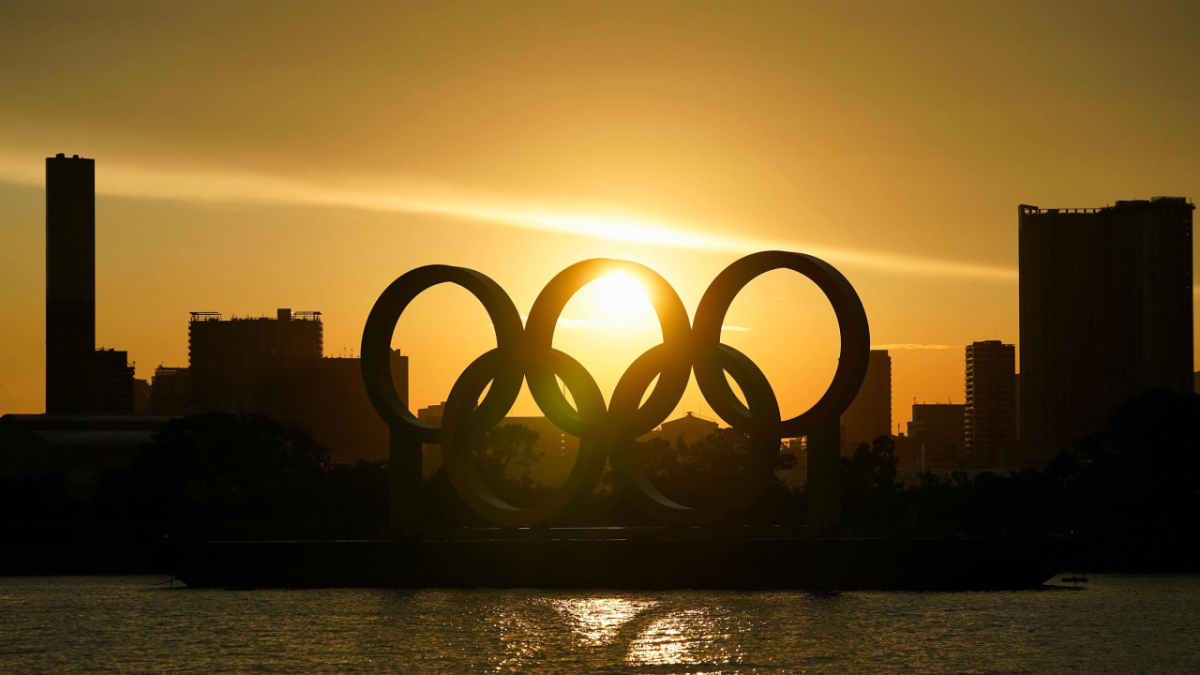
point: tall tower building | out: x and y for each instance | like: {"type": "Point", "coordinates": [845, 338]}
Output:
{"type": "Point", "coordinates": [70, 283]}
{"type": "Point", "coordinates": [1106, 313]}
{"type": "Point", "coordinates": [870, 415]}
{"type": "Point", "coordinates": [990, 416]}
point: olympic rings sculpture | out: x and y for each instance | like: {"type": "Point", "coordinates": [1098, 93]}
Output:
{"type": "Point", "coordinates": [525, 353]}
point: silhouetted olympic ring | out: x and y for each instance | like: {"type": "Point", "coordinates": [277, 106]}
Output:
{"type": "Point", "coordinates": [377, 346]}
{"type": "Point", "coordinates": [676, 359]}
{"type": "Point", "coordinates": [527, 353]}
{"type": "Point", "coordinates": [457, 437]}
{"type": "Point", "coordinates": [852, 361]}
{"type": "Point", "coordinates": [763, 451]}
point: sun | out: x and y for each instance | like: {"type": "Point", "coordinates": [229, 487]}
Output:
{"type": "Point", "coordinates": [621, 296]}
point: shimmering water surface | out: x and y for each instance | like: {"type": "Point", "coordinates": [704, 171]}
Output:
{"type": "Point", "coordinates": [129, 625]}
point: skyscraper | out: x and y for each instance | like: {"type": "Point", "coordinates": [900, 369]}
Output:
{"type": "Point", "coordinates": [870, 415]}
{"type": "Point", "coordinates": [990, 415]}
{"type": "Point", "coordinates": [1106, 312]}
{"type": "Point", "coordinates": [79, 379]}
{"type": "Point", "coordinates": [70, 283]}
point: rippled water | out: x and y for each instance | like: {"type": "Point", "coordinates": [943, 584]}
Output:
{"type": "Point", "coordinates": [105, 624]}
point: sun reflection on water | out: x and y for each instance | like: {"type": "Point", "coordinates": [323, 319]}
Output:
{"type": "Point", "coordinates": [598, 620]}
{"type": "Point", "coordinates": [698, 637]}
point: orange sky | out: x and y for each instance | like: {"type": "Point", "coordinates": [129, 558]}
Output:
{"type": "Point", "coordinates": [255, 156]}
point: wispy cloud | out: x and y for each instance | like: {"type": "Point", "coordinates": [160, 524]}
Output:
{"type": "Point", "coordinates": [425, 198]}
{"type": "Point", "coordinates": [617, 324]}
{"type": "Point", "coordinates": [911, 347]}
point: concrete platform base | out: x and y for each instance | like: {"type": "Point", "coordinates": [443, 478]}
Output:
{"type": "Point", "coordinates": [608, 560]}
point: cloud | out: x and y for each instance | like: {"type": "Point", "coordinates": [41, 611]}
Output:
{"type": "Point", "coordinates": [124, 180]}
{"type": "Point", "coordinates": [593, 324]}
{"type": "Point", "coordinates": [911, 347]}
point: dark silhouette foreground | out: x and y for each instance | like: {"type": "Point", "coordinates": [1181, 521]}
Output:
{"type": "Point", "coordinates": [1131, 490]}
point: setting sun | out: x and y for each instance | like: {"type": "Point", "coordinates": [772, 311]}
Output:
{"type": "Point", "coordinates": [620, 295]}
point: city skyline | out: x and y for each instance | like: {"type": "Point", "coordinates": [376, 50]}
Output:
{"type": "Point", "coordinates": [539, 337]}
{"type": "Point", "coordinates": [1119, 271]}
{"type": "Point", "coordinates": [318, 200]}
{"type": "Point", "coordinates": [621, 302]}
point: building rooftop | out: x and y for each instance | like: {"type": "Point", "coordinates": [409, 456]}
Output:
{"type": "Point", "coordinates": [281, 315]}
{"type": "Point", "coordinates": [1027, 209]}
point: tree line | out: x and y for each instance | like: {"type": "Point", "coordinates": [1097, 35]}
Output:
{"type": "Point", "coordinates": [1132, 487]}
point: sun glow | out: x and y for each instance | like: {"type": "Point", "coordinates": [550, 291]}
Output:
{"type": "Point", "coordinates": [621, 296]}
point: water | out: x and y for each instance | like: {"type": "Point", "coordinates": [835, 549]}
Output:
{"type": "Point", "coordinates": [129, 625]}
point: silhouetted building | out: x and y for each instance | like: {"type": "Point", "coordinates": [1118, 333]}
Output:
{"type": "Point", "coordinates": [1106, 313]}
{"type": "Point", "coordinates": [870, 415]}
{"type": "Point", "coordinates": [112, 383]}
{"type": "Point", "coordinates": [141, 397]}
{"type": "Point", "coordinates": [431, 453]}
{"type": "Point", "coordinates": [228, 358]}
{"type": "Point", "coordinates": [690, 428]}
{"type": "Point", "coordinates": [70, 283]}
{"type": "Point", "coordinates": [327, 397]}
{"type": "Point", "coordinates": [80, 379]}
{"type": "Point", "coordinates": [936, 435]}
{"type": "Point", "coordinates": [991, 410]}
{"type": "Point", "coordinates": [1017, 392]}
{"type": "Point", "coordinates": [274, 366]}
{"type": "Point", "coordinates": [908, 453]}
{"type": "Point", "coordinates": [77, 446]}
{"type": "Point", "coordinates": [170, 392]}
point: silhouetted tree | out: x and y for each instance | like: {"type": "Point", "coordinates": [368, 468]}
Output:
{"type": "Point", "coordinates": [502, 457]}
{"type": "Point", "coordinates": [869, 488]}
{"type": "Point", "coordinates": [696, 473]}
{"type": "Point", "coordinates": [1133, 486]}
{"type": "Point", "coordinates": [218, 470]}
{"type": "Point", "coordinates": [1131, 489]}
{"type": "Point", "coordinates": [36, 505]}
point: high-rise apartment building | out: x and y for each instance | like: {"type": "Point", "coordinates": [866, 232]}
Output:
{"type": "Point", "coordinates": [228, 357]}
{"type": "Point", "coordinates": [870, 415]}
{"type": "Point", "coordinates": [274, 366]}
{"type": "Point", "coordinates": [1106, 313]}
{"type": "Point", "coordinates": [70, 283]}
{"type": "Point", "coordinates": [990, 415]}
